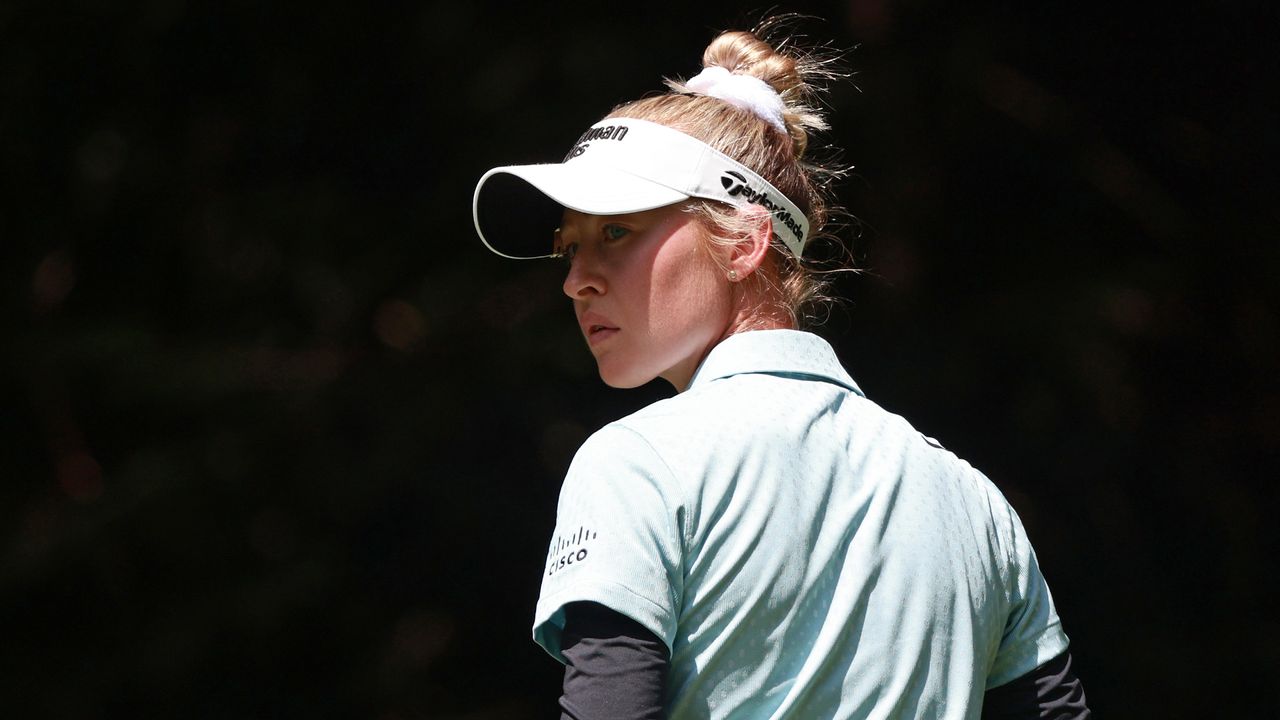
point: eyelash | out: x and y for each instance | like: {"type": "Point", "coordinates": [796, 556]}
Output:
{"type": "Point", "coordinates": [566, 252]}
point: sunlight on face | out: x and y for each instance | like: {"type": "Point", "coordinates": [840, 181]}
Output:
{"type": "Point", "coordinates": [650, 300]}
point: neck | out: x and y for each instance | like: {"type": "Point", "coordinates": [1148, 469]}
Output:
{"type": "Point", "coordinates": [761, 316]}
{"type": "Point", "coordinates": [681, 377]}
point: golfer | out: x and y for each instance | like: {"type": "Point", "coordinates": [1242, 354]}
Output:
{"type": "Point", "coordinates": [768, 542]}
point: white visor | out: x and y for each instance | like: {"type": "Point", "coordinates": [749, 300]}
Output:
{"type": "Point", "coordinates": [620, 165]}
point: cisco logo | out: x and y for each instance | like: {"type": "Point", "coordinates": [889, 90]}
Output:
{"type": "Point", "coordinates": [569, 550]}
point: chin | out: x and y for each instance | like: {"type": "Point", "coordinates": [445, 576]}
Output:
{"type": "Point", "coordinates": [622, 378]}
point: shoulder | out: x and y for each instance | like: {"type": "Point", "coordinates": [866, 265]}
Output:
{"type": "Point", "coordinates": [696, 416]}
{"type": "Point", "coordinates": [631, 447]}
{"type": "Point", "coordinates": [657, 441]}
{"type": "Point", "coordinates": [624, 475]}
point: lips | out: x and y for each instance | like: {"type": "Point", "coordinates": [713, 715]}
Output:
{"type": "Point", "coordinates": [596, 327]}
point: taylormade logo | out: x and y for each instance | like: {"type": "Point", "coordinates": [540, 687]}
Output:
{"type": "Point", "coordinates": [608, 132]}
{"type": "Point", "coordinates": [735, 184]}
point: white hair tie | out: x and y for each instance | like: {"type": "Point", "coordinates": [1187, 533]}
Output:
{"type": "Point", "coordinates": [745, 91]}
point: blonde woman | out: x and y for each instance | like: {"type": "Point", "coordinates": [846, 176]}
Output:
{"type": "Point", "coordinates": [768, 543]}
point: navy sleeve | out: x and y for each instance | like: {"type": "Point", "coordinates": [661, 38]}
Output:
{"type": "Point", "coordinates": [615, 667]}
{"type": "Point", "coordinates": [1050, 692]}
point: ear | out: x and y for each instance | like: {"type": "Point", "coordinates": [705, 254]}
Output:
{"type": "Point", "coordinates": [748, 254]}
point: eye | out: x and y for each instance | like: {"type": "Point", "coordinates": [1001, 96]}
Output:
{"type": "Point", "coordinates": [563, 250]}
{"type": "Point", "coordinates": [612, 231]}
{"type": "Point", "coordinates": [567, 251]}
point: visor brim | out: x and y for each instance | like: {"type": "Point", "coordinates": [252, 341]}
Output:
{"type": "Point", "coordinates": [517, 208]}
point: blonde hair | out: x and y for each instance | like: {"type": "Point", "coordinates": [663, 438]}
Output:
{"type": "Point", "coordinates": [793, 287]}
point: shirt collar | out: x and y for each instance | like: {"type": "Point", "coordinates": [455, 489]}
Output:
{"type": "Point", "coordinates": [775, 352]}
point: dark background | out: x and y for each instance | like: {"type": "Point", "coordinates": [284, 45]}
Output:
{"type": "Point", "coordinates": [281, 440]}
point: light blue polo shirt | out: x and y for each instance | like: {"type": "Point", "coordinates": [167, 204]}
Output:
{"type": "Point", "coordinates": [802, 552]}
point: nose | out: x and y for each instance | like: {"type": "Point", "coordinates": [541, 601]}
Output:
{"type": "Point", "coordinates": [584, 278]}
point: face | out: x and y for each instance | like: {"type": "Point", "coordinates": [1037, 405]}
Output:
{"type": "Point", "coordinates": [650, 300]}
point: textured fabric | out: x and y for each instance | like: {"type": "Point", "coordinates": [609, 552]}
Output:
{"type": "Point", "coordinates": [615, 668]}
{"type": "Point", "coordinates": [743, 91]}
{"type": "Point", "coordinates": [801, 552]}
{"type": "Point", "coordinates": [1050, 692]}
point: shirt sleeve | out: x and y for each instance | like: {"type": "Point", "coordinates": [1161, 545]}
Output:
{"type": "Point", "coordinates": [1033, 633]}
{"type": "Point", "coordinates": [1050, 691]}
{"type": "Point", "coordinates": [615, 668]}
{"type": "Point", "coordinates": [618, 539]}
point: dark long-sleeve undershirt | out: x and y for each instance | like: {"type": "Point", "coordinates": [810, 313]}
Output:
{"type": "Point", "coordinates": [617, 669]}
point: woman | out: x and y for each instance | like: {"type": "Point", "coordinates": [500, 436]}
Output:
{"type": "Point", "coordinates": [768, 543]}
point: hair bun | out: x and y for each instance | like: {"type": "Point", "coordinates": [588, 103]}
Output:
{"type": "Point", "coordinates": [797, 77]}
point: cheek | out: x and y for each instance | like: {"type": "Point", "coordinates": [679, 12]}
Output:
{"type": "Point", "coordinates": [688, 291]}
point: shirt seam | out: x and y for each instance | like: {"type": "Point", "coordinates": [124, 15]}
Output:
{"type": "Point", "coordinates": [686, 539]}
{"type": "Point", "coordinates": [601, 584]}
